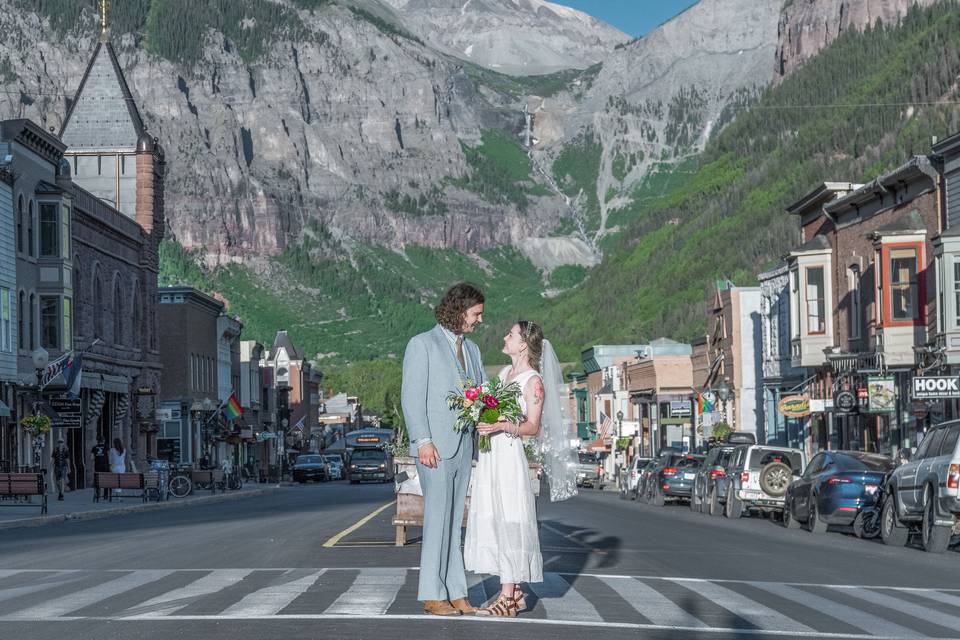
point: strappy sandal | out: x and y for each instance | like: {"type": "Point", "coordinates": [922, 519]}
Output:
{"type": "Point", "coordinates": [519, 597]}
{"type": "Point", "coordinates": [502, 607]}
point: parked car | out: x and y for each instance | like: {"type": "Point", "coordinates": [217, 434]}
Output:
{"type": "Point", "coordinates": [923, 492]}
{"type": "Point", "coordinates": [630, 476]}
{"type": "Point", "coordinates": [590, 470]}
{"type": "Point", "coordinates": [834, 488]}
{"type": "Point", "coordinates": [370, 464]}
{"type": "Point", "coordinates": [757, 478]}
{"type": "Point", "coordinates": [673, 479]}
{"type": "Point", "coordinates": [713, 467]}
{"type": "Point", "coordinates": [310, 467]}
{"type": "Point", "coordinates": [336, 466]}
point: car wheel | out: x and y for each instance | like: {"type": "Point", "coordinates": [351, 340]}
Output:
{"type": "Point", "coordinates": [891, 531]}
{"type": "Point", "coordinates": [935, 538]}
{"type": "Point", "coordinates": [789, 521]}
{"type": "Point", "coordinates": [775, 478]}
{"type": "Point", "coordinates": [734, 506]}
{"type": "Point", "coordinates": [814, 523]}
{"type": "Point", "coordinates": [714, 508]}
{"type": "Point", "coordinates": [694, 505]}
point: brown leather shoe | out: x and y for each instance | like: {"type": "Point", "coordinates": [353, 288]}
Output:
{"type": "Point", "coordinates": [463, 606]}
{"type": "Point", "coordinates": [440, 608]}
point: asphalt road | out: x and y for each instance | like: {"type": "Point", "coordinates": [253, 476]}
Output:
{"type": "Point", "coordinates": [258, 568]}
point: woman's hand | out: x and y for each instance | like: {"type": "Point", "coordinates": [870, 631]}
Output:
{"type": "Point", "coordinates": [486, 429]}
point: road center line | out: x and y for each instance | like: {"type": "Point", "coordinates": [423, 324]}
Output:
{"type": "Point", "coordinates": [335, 539]}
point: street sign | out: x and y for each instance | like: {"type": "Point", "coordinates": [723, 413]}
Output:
{"type": "Point", "coordinates": [928, 387]}
{"type": "Point", "coordinates": [845, 403]}
{"type": "Point", "coordinates": [795, 406]}
{"type": "Point", "coordinates": [71, 415]}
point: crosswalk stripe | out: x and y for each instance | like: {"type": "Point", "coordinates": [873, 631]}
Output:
{"type": "Point", "coordinates": [561, 600]}
{"type": "Point", "coordinates": [46, 582]}
{"type": "Point", "coordinates": [750, 610]}
{"type": "Point", "coordinates": [915, 610]}
{"type": "Point", "coordinates": [651, 604]}
{"type": "Point", "coordinates": [174, 600]}
{"type": "Point", "coordinates": [271, 600]}
{"type": "Point", "coordinates": [860, 619]}
{"type": "Point", "coordinates": [372, 593]}
{"type": "Point", "coordinates": [939, 596]}
{"type": "Point", "coordinates": [71, 602]}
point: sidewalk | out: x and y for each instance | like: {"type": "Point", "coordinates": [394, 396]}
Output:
{"type": "Point", "coordinates": [79, 505]}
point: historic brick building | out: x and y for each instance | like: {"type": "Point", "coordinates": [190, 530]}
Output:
{"type": "Point", "coordinates": [116, 168]}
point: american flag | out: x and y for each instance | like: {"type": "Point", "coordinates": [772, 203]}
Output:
{"type": "Point", "coordinates": [604, 429]}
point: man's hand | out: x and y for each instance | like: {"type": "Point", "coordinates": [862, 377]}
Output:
{"type": "Point", "coordinates": [428, 456]}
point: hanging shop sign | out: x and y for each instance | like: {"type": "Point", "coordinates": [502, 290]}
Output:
{"type": "Point", "coordinates": [881, 394]}
{"type": "Point", "coordinates": [845, 403]}
{"type": "Point", "coordinates": [932, 387]}
{"type": "Point", "coordinates": [795, 406]}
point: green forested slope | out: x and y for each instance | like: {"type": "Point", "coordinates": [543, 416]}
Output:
{"type": "Point", "coordinates": [864, 105]}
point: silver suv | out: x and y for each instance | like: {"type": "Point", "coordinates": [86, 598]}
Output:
{"type": "Point", "coordinates": [758, 476]}
{"type": "Point", "coordinates": [922, 492]}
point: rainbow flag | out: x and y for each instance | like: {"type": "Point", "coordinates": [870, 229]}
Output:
{"type": "Point", "coordinates": [232, 409]}
{"type": "Point", "coordinates": [706, 404]}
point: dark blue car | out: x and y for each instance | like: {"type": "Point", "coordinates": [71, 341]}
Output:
{"type": "Point", "coordinates": [833, 488]}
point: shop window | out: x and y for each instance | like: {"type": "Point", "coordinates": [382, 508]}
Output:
{"type": "Point", "coordinates": [903, 284]}
{"type": "Point", "coordinates": [49, 322]}
{"type": "Point", "coordinates": [67, 324]}
{"type": "Point", "coordinates": [49, 230]}
{"type": "Point", "coordinates": [855, 313]}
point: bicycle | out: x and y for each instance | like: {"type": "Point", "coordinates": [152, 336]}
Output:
{"type": "Point", "coordinates": [180, 485]}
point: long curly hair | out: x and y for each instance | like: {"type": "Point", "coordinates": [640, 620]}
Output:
{"type": "Point", "coordinates": [452, 310]}
{"type": "Point", "coordinates": [532, 335]}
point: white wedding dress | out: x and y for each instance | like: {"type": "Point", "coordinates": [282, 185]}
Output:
{"type": "Point", "coordinates": [501, 537]}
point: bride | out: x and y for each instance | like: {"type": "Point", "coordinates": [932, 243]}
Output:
{"type": "Point", "coordinates": [502, 537]}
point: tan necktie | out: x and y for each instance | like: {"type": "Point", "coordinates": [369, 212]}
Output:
{"type": "Point", "coordinates": [460, 359]}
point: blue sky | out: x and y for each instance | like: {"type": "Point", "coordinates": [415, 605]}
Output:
{"type": "Point", "coordinates": [636, 17]}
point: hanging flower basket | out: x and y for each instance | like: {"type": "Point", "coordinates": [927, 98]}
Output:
{"type": "Point", "coordinates": [37, 425]}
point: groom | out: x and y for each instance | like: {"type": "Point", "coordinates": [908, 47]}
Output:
{"type": "Point", "coordinates": [433, 365]}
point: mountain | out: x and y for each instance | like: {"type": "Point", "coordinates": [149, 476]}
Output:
{"type": "Point", "coordinates": [517, 37]}
{"type": "Point", "coordinates": [806, 27]}
{"type": "Point", "coordinates": [862, 106]}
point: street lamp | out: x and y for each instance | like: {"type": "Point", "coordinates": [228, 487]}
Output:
{"type": "Point", "coordinates": [40, 357]}
{"type": "Point", "coordinates": [723, 394]}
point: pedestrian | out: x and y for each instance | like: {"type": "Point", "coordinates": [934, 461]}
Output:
{"type": "Point", "coordinates": [118, 459]}
{"type": "Point", "coordinates": [101, 460]}
{"type": "Point", "coordinates": [61, 466]}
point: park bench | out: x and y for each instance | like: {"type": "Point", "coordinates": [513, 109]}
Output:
{"type": "Point", "coordinates": [209, 479]}
{"type": "Point", "coordinates": [111, 481]}
{"type": "Point", "coordinates": [17, 490]}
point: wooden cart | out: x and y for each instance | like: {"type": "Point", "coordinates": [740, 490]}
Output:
{"type": "Point", "coordinates": [410, 498]}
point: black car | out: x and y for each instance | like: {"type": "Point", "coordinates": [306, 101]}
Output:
{"type": "Point", "coordinates": [674, 478]}
{"type": "Point", "coordinates": [714, 469]}
{"type": "Point", "coordinates": [370, 464]}
{"type": "Point", "coordinates": [310, 467]}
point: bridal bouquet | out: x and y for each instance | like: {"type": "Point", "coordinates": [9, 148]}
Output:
{"type": "Point", "coordinates": [486, 403]}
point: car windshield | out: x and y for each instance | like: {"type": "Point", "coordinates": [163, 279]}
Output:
{"type": "Point", "coordinates": [761, 457]}
{"type": "Point", "coordinates": [367, 455]}
{"type": "Point", "coordinates": [865, 462]}
{"type": "Point", "coordinates": [309, 460]}
{"type": "Point", "coordinates": [587, 458]}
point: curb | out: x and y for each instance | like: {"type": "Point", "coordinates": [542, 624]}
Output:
{"type": "Point", "coordinates": [137, 508]}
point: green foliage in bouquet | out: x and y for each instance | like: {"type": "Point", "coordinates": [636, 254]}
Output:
{"type": "Point", "coordinates": [38, 425]}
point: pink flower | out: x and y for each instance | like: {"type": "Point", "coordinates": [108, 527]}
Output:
{"type": "Point", "coordinates": [491, 402]}
{"type": "Point", "coordinates": [472, 393]}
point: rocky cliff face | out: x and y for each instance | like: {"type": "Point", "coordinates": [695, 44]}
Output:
{"type": "Point", "coordinates": [519, 37]}
{"type": "Point", "coordinates": [807, 26]}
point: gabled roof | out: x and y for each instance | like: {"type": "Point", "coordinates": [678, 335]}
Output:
{"type": "Point", "coordinates": [103, 115]}
{"type": "Point", "coordinates": [917, 168]}
{"type": "Point", "coordinates": [283, 340]}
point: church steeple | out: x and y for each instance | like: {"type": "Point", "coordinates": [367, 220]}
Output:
{"type": "Point", "coordinates": [103, 5]}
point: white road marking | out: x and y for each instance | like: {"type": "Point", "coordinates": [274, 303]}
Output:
{"type": "Point", "coordinates": [909, 608]}
{"type": "Point", "coordinates": [855, 617]}
{"type": "Point", "coordinates": [653, 605]}
{"type": "Point", "coordinates": [561, 600]}
{"type": "Point", "coordinates": [85, 597]}
{"type": "Point", "coordinates": [51, 581]}
{"type": "Point", "coordinates": [174, 600]}
{"type": "Point", "coordinates": [748, 609]}
{"type": "Point", "coordinates": [372, 593]}
{"type": "Point", "coordinates": [273, 599]}
{"type": "Point", "coordinates": [941, 597]}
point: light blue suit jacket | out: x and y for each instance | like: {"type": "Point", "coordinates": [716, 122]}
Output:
{"type": "Point", "coordinates": [430, 373]}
